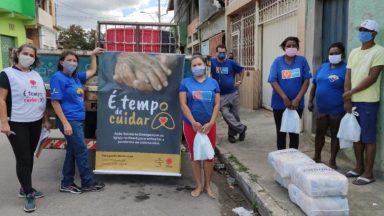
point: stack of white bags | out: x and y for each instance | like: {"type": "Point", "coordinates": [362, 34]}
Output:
{"type": "Point", "coordinates": [315, 188]}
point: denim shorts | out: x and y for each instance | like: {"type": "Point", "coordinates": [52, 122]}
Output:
{"type": "Point", "coordinates": [368, 120]}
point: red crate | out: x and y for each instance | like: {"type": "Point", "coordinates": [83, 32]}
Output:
{"type": "Point", "coordinates": [124, 39]}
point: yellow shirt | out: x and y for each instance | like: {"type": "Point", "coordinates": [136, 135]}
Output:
{"type": "Point", "coordinates": [360, 62]}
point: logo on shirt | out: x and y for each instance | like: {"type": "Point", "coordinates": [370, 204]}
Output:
{"type": "Point", "coordinates": [54, 91]}
{"type": "Point", "coordinates": [202, 95]}
{"type": "Point", "coordinates": [290, 74]}
{"type": "Point", "coordinates": [333, 78]}
{"type": "Point", "coordinates": [80, 92]}
{"type": "Point", "coordinates": [33, 83]}
{"type": "Point", "coordinates": [222, 70]}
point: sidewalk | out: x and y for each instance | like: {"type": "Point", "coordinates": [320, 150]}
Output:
{"type": "Point", "coordinates": [247, 161]}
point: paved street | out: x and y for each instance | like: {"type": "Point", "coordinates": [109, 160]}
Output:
{"type": "Point", "coordinates": [124, 195]}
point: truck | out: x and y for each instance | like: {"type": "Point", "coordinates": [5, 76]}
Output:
{"type": "Point", "coordinates": [112, 36]}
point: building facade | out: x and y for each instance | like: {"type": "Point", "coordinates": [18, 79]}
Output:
{"type": "Point", "coordinates": [44, 32]}
{"type": "Point", "coordinates": [15, 16]}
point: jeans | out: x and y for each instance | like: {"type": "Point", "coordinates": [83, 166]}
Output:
{"type": "Point", "coordinates": [77, 152]}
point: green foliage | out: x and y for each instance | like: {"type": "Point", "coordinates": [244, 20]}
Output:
{"type": "Point", "coordinates": [75, 37]}
{"type": "Point", "coordinates": [241, 166]}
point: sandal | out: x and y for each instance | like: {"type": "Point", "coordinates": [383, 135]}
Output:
{"type": "Point", "coordinates": [196, 193]}
{"type": "Point", "coordinates": [352, 174]}
{"type": "Point", "coordinates": [210, 193]}
{"type": "Point", "coordinates": [362, 181]}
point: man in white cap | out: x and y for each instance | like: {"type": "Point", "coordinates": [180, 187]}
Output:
{"type": "Point", "coordinates": [362, 90]}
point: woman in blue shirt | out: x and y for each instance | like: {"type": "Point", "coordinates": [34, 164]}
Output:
{"type": "Point", "coordinates": [200, 102]}
{"type": "Point", "coordinates": [67, 96]}
{"type": "Point", "coordinates": [289, 76]}
{"type": "Point", "coordinates": [328, 89]}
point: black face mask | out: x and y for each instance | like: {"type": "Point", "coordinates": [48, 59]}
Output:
{"type": "Point", "coordinates": [230, 57]}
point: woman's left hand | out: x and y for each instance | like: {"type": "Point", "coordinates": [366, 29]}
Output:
{"type": "Point", "coordinates": [97, 51]}
{"type": "Point", "coordinates": [47, 125]}
{"type": "Point", "coordinates": [206, 128]}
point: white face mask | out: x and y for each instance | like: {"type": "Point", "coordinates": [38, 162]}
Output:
{"type": "Point", "coordinates": [26, 61]}
{"type": "Point", "coordinates": [335, 59]}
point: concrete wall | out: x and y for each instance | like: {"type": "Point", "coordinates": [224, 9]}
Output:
{"type": "Point", "coordinates": [213, 27]}
{"type": "Point", "coordinates": [23, 7]}
{"type": "Point", "coordinates": [17, 31]}
{"type": "Point", "coordinates": [359, 11]}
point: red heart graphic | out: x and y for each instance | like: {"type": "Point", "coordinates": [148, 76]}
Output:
{"type": "Point", "coordinates": [163, 120]}
{"type": "Point", "coordinates": [33, 82]}
{"type": "Point", "coordinates": [169, 161]}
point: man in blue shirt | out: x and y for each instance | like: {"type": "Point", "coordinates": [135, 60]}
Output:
{"type": "Point", "coordinates": [229, 75]}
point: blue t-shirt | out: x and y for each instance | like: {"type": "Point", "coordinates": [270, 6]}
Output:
{"type": "Point", "coordinates": [200, 98]}
{"type": "Point", "coordinates": [69, 91]}
{"type": "Point", "coordinates": [290, 78]}
{"type": "Point", "coordinates": [224, 74]}
{"type": "Point", "coordinates": [330, 88]}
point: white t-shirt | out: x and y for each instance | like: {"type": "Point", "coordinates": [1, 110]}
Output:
{"type": "Point", "coordinates": [28, 95]}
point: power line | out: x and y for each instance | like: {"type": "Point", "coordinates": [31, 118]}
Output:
{"type": "Point", "coordinates": [83, 12]}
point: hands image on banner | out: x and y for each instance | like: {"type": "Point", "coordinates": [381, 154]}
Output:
{"type": "Point", "coordinates": [144, 72]}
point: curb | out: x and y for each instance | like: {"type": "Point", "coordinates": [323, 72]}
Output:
{"type": "Point", "coordinates": [266, 205]}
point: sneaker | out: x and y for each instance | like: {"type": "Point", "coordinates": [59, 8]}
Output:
{"type": "Point", "coordinates": [70, 189]}
{"type": "Point", "coordinates": [95, 187]}
{"type": "Point", "coordinates": [231, 139]}
{"type": "Point", "coordinates": [36, 193]}
{"type": "Point", "coordinates": [29, 205]}
{"type": "Point", "coordinates": [242, 134]}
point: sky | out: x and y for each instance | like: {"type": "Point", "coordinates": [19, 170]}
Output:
{"type": "Point", "coordinates": [86, 13]}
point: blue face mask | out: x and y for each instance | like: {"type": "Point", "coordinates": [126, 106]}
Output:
{"type": "Point", "coordinates": [365, 36]}
{"type": "Point", "coordinates": [221, 56]}
{"type": "Point", "coordinates": [70, 67]}
{"type": "Point", "coordinates": [198, 70]}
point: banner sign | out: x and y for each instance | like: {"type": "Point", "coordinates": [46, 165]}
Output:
{"type": "Point", "coordinates": [138, 114]}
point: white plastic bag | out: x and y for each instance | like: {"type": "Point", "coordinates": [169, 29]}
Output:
{"type": "Point", "coordinates": [202, 148]}
{"type": "Point", "coordinates": [349, 129]}
{"type": "Point", "coordinates": [43, 135]}
{"type": "Point", "coordinates": [345, 143]}
{"type": "Point", "coordinates": [241, 211]}
{"type": "Point", "coordinates": [319, 180]}
{"type": "Point", "coordinates": [318, 206]}
{"type": "Point", "coordinates": [290, 122]}
{"type": "Point", "coordinates": [285, 161]}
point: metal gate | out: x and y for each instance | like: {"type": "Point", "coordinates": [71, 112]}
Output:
{"type": "Point", "coordinates": [7, 44]}
{"type": "Point", "coordinates": [138, 37]}
{"type": "Point", "coordinates": [278, 20]}
{"type": "Point", "coordinates": [243, 47]}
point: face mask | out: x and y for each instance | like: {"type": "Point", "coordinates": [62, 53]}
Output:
{"type": "Point", "coordinates": [334, 59]}
{"type": "Point", "coordinates": [70, 67]}
{"type": "Point", "coordinates": [198, 70]}
{"type": "Point", "coordinates": [26, 61]}
{"type": "Point", "coordinates": [221, 56]}
{"type": "Point", "coordinates": [291, 51]}
{"type": "Point", "coordinates": [365, 36]}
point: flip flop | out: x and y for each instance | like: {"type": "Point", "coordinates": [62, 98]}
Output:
{"type": "Point", "coordinates": [196, 193]}
{"type": "Point", "coordinates": [362, 181]}
{"type": "Point", "coordinates": [211, 194]}
{"type": "Point", "coordinates": [352, 174]}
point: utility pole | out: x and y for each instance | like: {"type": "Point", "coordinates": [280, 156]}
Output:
{"type": "Point", "coordinates": [159, 14]}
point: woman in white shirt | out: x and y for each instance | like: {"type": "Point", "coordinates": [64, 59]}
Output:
{"type": "Point", "coordinates": [22, 107]}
